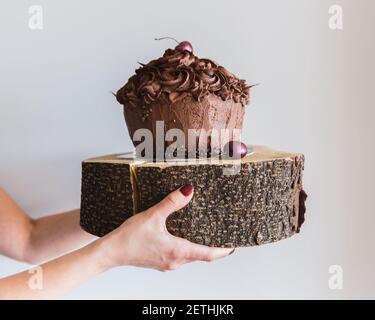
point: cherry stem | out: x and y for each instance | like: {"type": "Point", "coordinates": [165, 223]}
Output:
{"type": "Point", "coordinates": [166, 38]}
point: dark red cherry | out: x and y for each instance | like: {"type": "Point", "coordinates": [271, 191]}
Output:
{"type": "Point", "coordinates": [237, 149]}
{"type": "Point", "coordinates": [184, 46]}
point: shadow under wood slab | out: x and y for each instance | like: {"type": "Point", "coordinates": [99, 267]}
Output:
{"type": "Point", "coordinates": [262, 202]}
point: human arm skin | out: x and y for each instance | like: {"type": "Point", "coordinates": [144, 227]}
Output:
{"type": "Point", "coordinates": [142, 240]}
{"type": "Point", "coordinates": [36, 240]}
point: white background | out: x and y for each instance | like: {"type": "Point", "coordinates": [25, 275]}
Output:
{"type": "Point", "coordinates": [316, 97]}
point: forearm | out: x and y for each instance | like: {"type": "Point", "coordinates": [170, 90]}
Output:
{"type": "Point", "coordinates": [54, 235]}
{"type": "Point", "coordinates": [57, 277]}
{"type": "Point", "coordinates": [38, 240]}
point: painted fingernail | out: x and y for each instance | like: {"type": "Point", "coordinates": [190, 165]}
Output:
{"type": "Point", "coordinates": [232, 252]}
{"type": "Point", "coordinates": [187, 189]}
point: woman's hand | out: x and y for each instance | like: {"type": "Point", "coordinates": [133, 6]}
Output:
{"type": "Point", "coordinates": [144, 241]}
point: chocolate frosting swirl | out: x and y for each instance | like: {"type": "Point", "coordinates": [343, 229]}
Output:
{"type": "Point", "coordinates": [178, 74]}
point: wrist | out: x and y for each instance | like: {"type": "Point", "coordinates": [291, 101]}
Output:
{"type": "Point", "coordinates": [100, 254]}
{"type": "Point", "coordinates": [107, 253]}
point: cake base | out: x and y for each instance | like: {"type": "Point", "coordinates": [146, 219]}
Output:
{"type": "Point", "coordinates": [256, 200]}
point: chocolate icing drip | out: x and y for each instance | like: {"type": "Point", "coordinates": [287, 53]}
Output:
{"type": "Point", "coordinates": [179, 74]}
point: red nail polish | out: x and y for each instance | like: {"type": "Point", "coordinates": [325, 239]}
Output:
{"type": "Point", "coordinates": [187, 189]}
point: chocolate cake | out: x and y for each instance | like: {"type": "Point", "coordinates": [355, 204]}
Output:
{"type": "Point", "coordinates": [253, 199]}
{"type": "Point", "coordinates": [186, 92]}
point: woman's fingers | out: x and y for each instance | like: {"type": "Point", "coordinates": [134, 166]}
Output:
{"type": "Point", "coordinates": [204, 253]}
{"type": "Point", "coordinates": [184, 250]}
{"type": "Point", "coordinates": [173, 202]}
{"type": "Point", "coordinates": [193, 251]}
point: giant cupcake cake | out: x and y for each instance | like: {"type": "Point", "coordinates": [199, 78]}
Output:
{"type": "Point", "coordinates": [185, 92]}
{"type": "Point", "coordinates": [249, 201]}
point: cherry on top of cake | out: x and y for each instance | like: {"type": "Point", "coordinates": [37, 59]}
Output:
{"type": "Point", "coordinates": [177, 74]}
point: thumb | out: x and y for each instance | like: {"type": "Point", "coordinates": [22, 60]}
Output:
{"type": "Point", "coordinates": [173, 202]}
